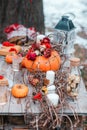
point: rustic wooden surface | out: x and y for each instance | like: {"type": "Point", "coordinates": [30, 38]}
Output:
{"type": "Point", "coordinates": [15, 106]}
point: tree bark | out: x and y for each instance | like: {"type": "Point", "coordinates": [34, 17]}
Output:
{"type": "Point", "coordinates": [25, 12]}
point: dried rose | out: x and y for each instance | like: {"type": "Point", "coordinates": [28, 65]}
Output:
{"type": "Point", "coordinates": [47, 53]}
{"type": "Point", "coordinates": [46, 40]}
{"type": "Point", "coordinates": [48, 45]}
{"type": "Point", "coordinates": [32, 80]}
{"type": "Point", "coordinates": [31, 56]}
{"type": "Point", "coordinates": [35, 81]}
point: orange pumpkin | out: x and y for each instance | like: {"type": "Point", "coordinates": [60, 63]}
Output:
{"type": "Point", "coordinates": [19, 90]}
{"type": "Point", "coordinates": [44, 64]}
{"type": "Point", "coordinates": [23, 62]}
{"type": "Point", "coordinates": [8, 58]}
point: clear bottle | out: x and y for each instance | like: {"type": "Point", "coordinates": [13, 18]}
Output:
{"type": "Point", "coordinates": [74, 66]}
{"type": "Point", "coordinates": [74, 77]}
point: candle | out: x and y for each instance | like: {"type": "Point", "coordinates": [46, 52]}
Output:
{"type": "Point", "coordinates": [50, 75]}
{"type": "Point", "coordinates": [52, 96]}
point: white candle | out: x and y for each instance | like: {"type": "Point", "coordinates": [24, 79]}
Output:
{"type": "Point", "coordinates": [51, 88]}
{"type": "Point", "coordinates": [52, 96]}
{"type": "Point", "coordinates": [50, 75]}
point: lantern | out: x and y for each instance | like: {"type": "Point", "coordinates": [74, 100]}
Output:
{"type": "Point", "coordinates": [66, 29]}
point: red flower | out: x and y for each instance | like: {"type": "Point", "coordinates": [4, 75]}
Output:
{"type": "Point", "coordinates": [32, 28]}
{"type": "Point", "coordinates": [37, 96]}
{"type": "Point", "coordinates": [34, 46]}
{"type": "Point", "coordinates": [6, 43]}
{"type": "Point", "coordinates": [31, 56]}
{"type": "Point", "coordinates": [47, 45]}
{"type": "Point", "coordinates": [11, 28]}
{"type": "Point", "coordinates": [46, 40]}
{"type": "Point", "coordinates": [12, 49]}
{"type": "Point", "coordinates": [47, 53]}
{"type": "Point", "coordinates": [1, 77]}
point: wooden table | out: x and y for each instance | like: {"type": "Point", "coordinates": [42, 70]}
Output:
{"type": "Point", "coordinates": [17, 107]}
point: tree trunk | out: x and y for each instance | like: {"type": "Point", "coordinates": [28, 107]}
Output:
{"type": "Point", "coordinates": [26, 12]}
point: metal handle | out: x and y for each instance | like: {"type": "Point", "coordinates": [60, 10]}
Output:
{"type": "Point", "coordinates": [70, 15]}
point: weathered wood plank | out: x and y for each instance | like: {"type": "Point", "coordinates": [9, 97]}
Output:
{"type": "Point", "coordinates": [15, 105]}
{"type": "Point", "coordinates": [5, 109]}
{"type": "Point", "coordinates": [82, 98]}
{"type": "Point", "coordinates": [26, 102]}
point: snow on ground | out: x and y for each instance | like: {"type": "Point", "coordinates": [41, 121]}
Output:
{"type": "Point", "coordinates": [54, 9]}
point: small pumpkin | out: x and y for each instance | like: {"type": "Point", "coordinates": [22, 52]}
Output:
{"type": "Point", "coordinates": [19, 90]}
{"type": "Point", "coordinates": [44, 64]}
{"type": "Point", "coordinates": [8, 58]}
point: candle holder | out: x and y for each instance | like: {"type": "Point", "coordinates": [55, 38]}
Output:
{"type": "Point", "coordinates": [66, 28]}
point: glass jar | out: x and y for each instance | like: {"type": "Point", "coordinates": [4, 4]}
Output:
{"type": "Point", "coordinates": [74, 77]}
{"type": "Point", "coordinates": [16, 60]}
{"type": "Point", "coordinates": [74, 66]}
{"type": "Point", "coordinates": [3, 95]}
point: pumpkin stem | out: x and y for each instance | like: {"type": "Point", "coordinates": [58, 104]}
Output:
{"type": "Point", "coordinates": [19, 86]}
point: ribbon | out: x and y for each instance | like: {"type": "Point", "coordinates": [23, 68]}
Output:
{"type": "Point", "coordinates": [11, 28]}
{"type": "Point", "coordinates": [6, 43]}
